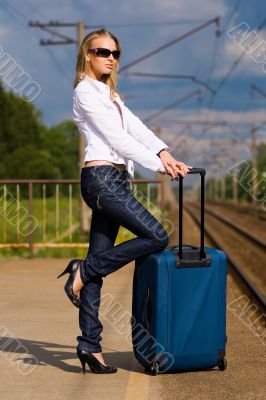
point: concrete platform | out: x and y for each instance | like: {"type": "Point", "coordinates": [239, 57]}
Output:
{"type": "Point", "coordinates": [42, 325]}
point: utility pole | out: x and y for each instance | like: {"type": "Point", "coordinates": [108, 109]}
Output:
{"type": "Point", "coordinates": [233, 145]}
{"type": "Point", "coordinates": [254, 163]}
{"type": "Point", "coordinates": [84, 214]}
{"type": "Point", "coordinates": [215, 183]}
{"type": "Point", "coordinates": [222, 162]}
{"type": "Point", "coordinates": [214, 188]}
{"type": "Point", "coordinates": [80, 28]}
{"type": "Point", "coordinates": [219, 163]}
{"type": "Point", "coordinates": [158, 131]}
{"type": "Point", "coordinates": [234, 180]}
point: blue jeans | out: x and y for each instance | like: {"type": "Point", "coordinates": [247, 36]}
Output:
{"type": "Point", "coordinates": [104, 188]}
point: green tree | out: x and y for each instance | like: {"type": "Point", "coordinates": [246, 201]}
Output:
{"type": "Point", "coordinates": [261, 171]}
{"type": "Point", "coordinates": [31, 150]}
{"type": "Point", "coordinates": [62, 141]}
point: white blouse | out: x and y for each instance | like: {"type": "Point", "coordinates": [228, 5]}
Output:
{"type": "Point", "coordinates": [111, 131]}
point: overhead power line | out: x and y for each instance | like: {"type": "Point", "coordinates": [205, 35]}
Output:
{"type": "Point", "coordinates": [228, 74]}
{"type": "Point", "coordinates": [257, 89]}
{"type": "Point", "coordinates": [67, 40]}
{"type": "Point", "coordinates": [57, 23]}
{"type": "Point", "coordinates": [13, 10]}
{"type": "Point", "coordinates": [36, 10]}
{"type": "Point", "coordinates": [237, 61]}
{"type": "Point", "coordinates": [197, 122]}
{"type": "Point", "coordinates": [172, 105]}
{"type": "Point", "coordinates": [58, 65]}
{"type": "Point", "coordinates": [146, 24]}
{"type": "Point", "coordinates": [171, 43]}
{"type": "Point", "coordinates": [231, 16]}
{"type": "Point", "coordinates": [169, 76]}
{"type": "Point", "coordinates": [13, 13]}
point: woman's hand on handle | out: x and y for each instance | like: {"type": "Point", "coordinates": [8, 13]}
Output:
{"type": "Point", "coordinates": [172, 166]}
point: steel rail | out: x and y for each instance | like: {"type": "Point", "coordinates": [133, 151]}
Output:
{"type": "Point", "coordinates": [259, 242]}
{"type": "Point", "coordinates": [258, 295]}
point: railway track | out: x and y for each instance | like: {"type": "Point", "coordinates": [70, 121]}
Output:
{"type": "Point", "coordinates": [256, 292]}
{"type": "Point", "coordinates": [244, 232]}
{"type": "Point", "coordinates": [258, 212]}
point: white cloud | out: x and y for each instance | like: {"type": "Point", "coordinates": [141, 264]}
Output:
{"type": "Point", "coordinates": [190, 56]}
{"type": "Point", "coordinates": [256, 116]}
{"type": "Point", "coordinates": [232, 51]}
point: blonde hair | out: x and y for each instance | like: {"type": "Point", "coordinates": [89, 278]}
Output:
{"type": "Point", "coordinates": [81, 60]}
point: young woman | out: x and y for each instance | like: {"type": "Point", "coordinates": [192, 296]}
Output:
{"type": "Point", "coordinates": [114, 137]}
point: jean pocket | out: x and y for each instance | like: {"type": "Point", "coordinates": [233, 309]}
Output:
{"type": "Point", "coordinates": [90, 186]}
{"type": "Point", "coordinates": [94, 189]}
{"type": "Point", "coordinates": [91, 194]}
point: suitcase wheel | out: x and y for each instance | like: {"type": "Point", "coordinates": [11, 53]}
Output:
{"type": "Point", "coordinates": [155, 369]}
{"type": "Point", "coordinates": [222, 364]}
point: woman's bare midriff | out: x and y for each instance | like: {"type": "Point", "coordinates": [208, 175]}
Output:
{"type": "Point", "coordinates": [104, 162]}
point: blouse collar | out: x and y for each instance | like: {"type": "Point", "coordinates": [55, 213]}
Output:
{"type": "Point", "coordinates": [100, 86]}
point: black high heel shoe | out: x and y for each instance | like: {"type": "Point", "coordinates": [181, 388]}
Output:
{"type": "Point", "coordinates": [72, 269]}
{"type": "Point", "coordinates": [95, 365]}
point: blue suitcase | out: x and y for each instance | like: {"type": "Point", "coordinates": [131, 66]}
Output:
{"type": "Point", "coordinates": [179, 304]}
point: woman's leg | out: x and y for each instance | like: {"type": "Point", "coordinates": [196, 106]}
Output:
{"type": "Point", "coordinates": [103, 233]}
{"type": "Point", "coordinates": [109, 195]}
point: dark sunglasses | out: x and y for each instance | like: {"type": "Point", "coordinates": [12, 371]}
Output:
{"type": "Point", "coordinates": [105, 53]}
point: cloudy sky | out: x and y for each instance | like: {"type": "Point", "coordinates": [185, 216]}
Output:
{"type": "Point", "coordinates": [143, 26]}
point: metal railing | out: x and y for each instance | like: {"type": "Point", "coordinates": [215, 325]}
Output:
{"type": "Point", "coordinates": [43, 213]}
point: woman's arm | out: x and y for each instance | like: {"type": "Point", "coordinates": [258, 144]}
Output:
{"type": "Point", "coordinates": [142, 133]}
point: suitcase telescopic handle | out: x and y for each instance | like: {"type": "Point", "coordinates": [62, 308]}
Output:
{"type": "Point", "coordinates": [202, 173]}
{"type": "Point", "coordinates": [196, 170]}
